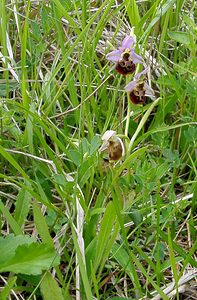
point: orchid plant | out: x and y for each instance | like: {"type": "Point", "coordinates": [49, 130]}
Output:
{"type": "Point", "coordinates": [126, 63]}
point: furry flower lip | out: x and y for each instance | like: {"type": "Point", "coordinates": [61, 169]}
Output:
{"type": "Point", "coordinates": [139, 89]}
{"type": "Point", "coordinates": [113, 145]}
{"type": "Point", "coordinates": [125, 56]}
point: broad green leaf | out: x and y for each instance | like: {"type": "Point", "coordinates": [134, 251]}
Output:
{"type": "Point", "coordinates": [109, 246]}
{"type": "Point", "coordinates": [161, 171]}
{"type": "Point", "coordinates": [95, 144]}
{"type": "Point", "coordinates": [190, 22]}
{"type": "Point", "coordinates": [136, 216]}
{"type": "Point", "coordinates": [31, 259]}
{"type": "Point", "coordinates": [85, 171]}
{"type": "Point", "coordinates": [75, 156]}
{"type": "Point", "coordinates": [9, 244]}
{"type": "Point", "coordinates": [50, 289]}
{"type": "Point", "coordinates": [180, 37]}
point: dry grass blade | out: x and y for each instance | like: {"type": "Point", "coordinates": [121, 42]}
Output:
{"type": "Point", "coordinates": [170, 289]}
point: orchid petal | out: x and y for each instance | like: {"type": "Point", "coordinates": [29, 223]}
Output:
{"type": "Point", "coordinates": [131, 86]}
{"type": "Point", "coordinates": [138, 75]}
{"type": "Point", "coordinates": [115, 55]}
{"type": "Point", "coordinates": [108, 134]}
{"type": "Point", "coordinates": [122, 145]}
{"type": "Point", "coordinates": [148, 91]}
{"type": "Point", "coordinates": [104, 146]}
{"type": "Point", "coordinates": [128, 42]}
{"type": "Point", "coordinates": [137, 59]}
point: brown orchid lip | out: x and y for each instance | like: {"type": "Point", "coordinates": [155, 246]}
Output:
{"type": "Point", "coordinates": [125, 67]}
{"type": "Point", "coordinates": [135, 99]}
{"type": "Point", "coordinates": [113, 145]}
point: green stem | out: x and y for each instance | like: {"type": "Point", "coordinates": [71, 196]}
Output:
{"type": "Point", "coordinates": [128, 116]}
{"type": "Point", "coordinates": [129, 108]}
{"type": "Point", "coordinates": [142, 122]}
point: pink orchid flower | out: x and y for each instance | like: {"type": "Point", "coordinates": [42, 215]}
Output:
{"type": "Point", "coordinates": [125, 56]}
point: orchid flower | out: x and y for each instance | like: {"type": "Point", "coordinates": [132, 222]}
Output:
{"type": "Point", "coordinates": [125, 56]}
{"type": "Point", "coordinates": [113, 145]}
{"type": "Point", "coordinates": [139, 89]}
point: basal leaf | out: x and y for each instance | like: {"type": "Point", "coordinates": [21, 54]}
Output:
{"type": "Point", "coordinates": [179, 36]}
{"type": "Point", "coordinates": [31, 259]}
{"type": "Point", "coordinates": [9, 244]}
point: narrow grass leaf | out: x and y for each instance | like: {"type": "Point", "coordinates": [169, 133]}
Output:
{"type": "Point", "coordinates": [65, 13]}
{"type": "Point", "coordinates": [149, 278]}
{"type": "Point", "coordinates": [172, 258]}
{"type": "Point", "coordinates": [122, 257]}
{"type": "Point", "coordinates": [178, 249]}
{"type": "Point", "coordinates": [106, 228]}
{"type": "Point", "coordinates": [25, 96]}
{"type": "Point", "coordinates": [41, 226]}
{"type": "Point", "coordinates": [189, 255]}
{"type": "Point", "coordinates": [133, 12]}
{"type": "Point", "coordinates": [128, 160]}
{"type": "Point", "coordinates": [142, 122]}
{"type": "Point", "coordinates": [82, 268]}
{"type": "Point", "coordinates": [164, 30]}
{"type": "Point", "coordinates": [117, 200]}
{"type": "Point", "coordinates": [9, 218]}
{"type": "Point", "coordinates": [162, 9]}
{"type": "Point", "coordinates": [13, 162]}
{"type": "Point", "coordinates": [22, 205]}
{"type": "Point", "coordinates": [6, 291]}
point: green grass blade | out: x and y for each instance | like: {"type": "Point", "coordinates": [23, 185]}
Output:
{"type": "Point", "coordinates": [49, 288]}
{"type": "Point", "coordinates": [11, 221]}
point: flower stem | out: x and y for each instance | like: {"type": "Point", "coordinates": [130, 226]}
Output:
{"type": "Point", "coordinates": [129, 105]}
{"type": "Point", "coordinates": [141, 124]}
{"type": "Point", "coordinates": [128, 116]}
